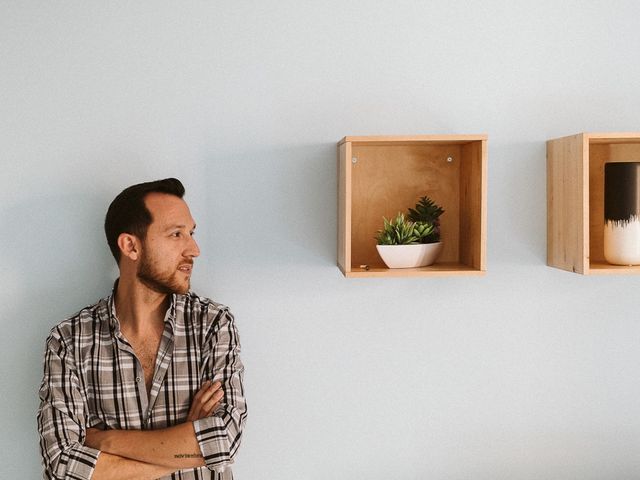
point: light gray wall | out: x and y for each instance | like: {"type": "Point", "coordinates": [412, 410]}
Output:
{"type": "Point", "coordinates": [529, 372]}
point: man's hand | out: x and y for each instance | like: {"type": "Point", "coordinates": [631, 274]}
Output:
{"type": "Point", "coordinates": [206, 400]}
{"type": "Point", "coordinates": [94, 438]}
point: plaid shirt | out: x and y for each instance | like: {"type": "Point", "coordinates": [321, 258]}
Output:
{"type": "Point", "coordinates": [92, 378]}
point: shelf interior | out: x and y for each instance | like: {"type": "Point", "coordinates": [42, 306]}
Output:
{"type": "Point", "coordinates": [599, 154]}
{"type": "Point", "coordinates": [390, 178]}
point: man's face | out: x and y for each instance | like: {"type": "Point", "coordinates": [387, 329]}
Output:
{"type": "Point", "coordinates": [169, 248]}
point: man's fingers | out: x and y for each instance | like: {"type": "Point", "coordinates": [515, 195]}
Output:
{"type": "Point", "coordinates": [205, 386]}
{"type": "Point", "coordinates": [207, 407]}
{"type": "Point", "coordinates": [198, 394]}
{"type": "Point", "coordinates": [194, 410]}
{"type": "Point", "coordinates": [212, 404]}
{"type": "Point", "coordinates": [205, 391]}
{"type": "Point", "coordinates": [205, 399]}
{"type": "Point", "coordinates": [208, 392]}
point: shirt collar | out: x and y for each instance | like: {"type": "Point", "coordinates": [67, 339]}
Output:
{"type": "Point", "coordinates": [169, 317]}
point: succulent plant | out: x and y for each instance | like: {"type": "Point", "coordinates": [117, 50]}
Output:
{"type": "Point", "coordinates": [427, 211]}
{"type": "Point", "coordinates": [400, 231]}
{"type": "Point", "coordinates": [423, 231]}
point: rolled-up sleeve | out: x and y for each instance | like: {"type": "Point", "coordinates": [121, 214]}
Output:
{"type": "Point", "coordinates": [61, 418]}
{"type": "Point", "coordinates": [219, 435]}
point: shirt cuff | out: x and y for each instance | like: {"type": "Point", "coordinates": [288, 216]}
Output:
{"type": "Point", "coordinates": [211, 435]}
{"type": "Point", "coordinates": [81, 461]}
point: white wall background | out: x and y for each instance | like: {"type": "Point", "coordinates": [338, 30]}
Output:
{"type": "Point", "coordinates": [527, 373]}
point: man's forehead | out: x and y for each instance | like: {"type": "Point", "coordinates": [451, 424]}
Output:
{"type": "Point", "coordinates": [168, 209]}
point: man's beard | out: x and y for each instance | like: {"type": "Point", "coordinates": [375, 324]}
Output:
{"type": "Point", "coordinates": [156, 281]}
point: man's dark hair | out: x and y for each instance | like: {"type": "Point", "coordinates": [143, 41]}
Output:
{"type": "Point", "coordinates": [128, 213]}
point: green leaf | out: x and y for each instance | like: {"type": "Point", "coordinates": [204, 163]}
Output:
{"type": "Point", "coordinates": [398, 231]}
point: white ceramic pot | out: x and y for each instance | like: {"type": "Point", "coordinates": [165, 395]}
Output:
{"type": "Point", "coordinates": [622, 242]}
{"type": "Point", "coordinates": [409, 256]}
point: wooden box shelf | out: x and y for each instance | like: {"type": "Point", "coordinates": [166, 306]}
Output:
{"type": "Point", "coordinates": [575, 199]}
{"type": "Point", "coordinates": [383, 175]}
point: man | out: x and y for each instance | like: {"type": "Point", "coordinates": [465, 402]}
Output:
{"type": "Point", "coordinates": [147, 382]}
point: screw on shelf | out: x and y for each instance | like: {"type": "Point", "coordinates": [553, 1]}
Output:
{"type": "Point", "coordinates": [366, 267]}
{"type": "Point", "coordinates": [354, 160]}
{"type": "Point", "coordinates": [449, 159]}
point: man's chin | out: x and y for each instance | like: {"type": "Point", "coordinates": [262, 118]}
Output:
{"type": "Point", "coordinates": [167, 288]}
{"type": "Point", "coordinates": [181, 288]}
{"type": "Point", "coordinates": [178, 289]}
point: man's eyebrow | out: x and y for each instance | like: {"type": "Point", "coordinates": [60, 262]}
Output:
{"type": "Point", "coordinates": [171, 227]}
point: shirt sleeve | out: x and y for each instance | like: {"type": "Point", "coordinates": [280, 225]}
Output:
{"type": "Point", "coordinates": [61, 418]}
{"type": "Point", "coordinates": [220, 434]}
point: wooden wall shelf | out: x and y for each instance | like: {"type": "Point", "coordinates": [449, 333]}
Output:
{"type": "Point", "coordinates": [383, 175]}
{"type": "Point", "coordinates": [575, 199]}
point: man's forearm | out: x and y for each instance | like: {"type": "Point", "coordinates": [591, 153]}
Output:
{"type": "Point", "coordinates": [175, 447]}
{"type": "Point", "coordinates": [114, 467]}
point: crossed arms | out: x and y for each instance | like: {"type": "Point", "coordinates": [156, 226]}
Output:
{"type": "Point", "coordinates": [142, 454]}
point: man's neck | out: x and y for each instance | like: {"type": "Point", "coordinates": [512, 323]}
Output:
{"type": "Point", "coordinates": [138, 307]}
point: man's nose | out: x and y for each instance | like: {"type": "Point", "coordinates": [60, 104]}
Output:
{"type": "Point", "coordinates": [193, 250]}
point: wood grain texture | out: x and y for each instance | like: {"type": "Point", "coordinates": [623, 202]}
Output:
{"type": "Point", "coordinates": [567, 197]}
{"type": "Point", "coordinates": [344, 207]}
{"type": "Point", "coordinates": [413, 139]}
{"type": "Point", "coordinates": [473, 205]}
{"type": "Point", "coordinates": [603, 268]}
{"type": "Point", "coordinates": [445, 269]}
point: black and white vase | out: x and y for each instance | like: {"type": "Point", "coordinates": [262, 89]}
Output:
{"type": "Point", "coordinates": [622, 213]}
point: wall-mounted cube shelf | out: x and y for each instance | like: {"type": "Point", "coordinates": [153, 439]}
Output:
{"type": "Point", "coordinates": [575, 199]}
{"type": "Point", "coordinates": [383, 175]}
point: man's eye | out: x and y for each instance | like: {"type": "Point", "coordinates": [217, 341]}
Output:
{"type": "Point", "coordinates": [175, 234]}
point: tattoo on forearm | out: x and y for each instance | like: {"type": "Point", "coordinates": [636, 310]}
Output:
{"type": "Point", "coordinates": [188, 455]}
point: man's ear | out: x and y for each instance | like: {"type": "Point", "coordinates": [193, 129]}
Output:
{"type": "Point", "coordinates": [129, 246]}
